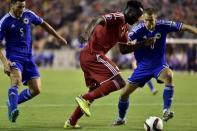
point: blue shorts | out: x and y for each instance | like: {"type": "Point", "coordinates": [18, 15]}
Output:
{"type": "Point", "coordinates": [27, 67]}
{"type": "Point", "coordinates": [142, 75]}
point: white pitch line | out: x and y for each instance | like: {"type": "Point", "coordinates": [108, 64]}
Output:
{"type": "Point", "coordinates": [101, 105]}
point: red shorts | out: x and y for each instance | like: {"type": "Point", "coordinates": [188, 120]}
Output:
{"type": "Point", "coordinates": [97, 68]}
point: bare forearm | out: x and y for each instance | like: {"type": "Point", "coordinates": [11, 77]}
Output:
{"type": "Point", "coordinates": [49, 29]}
{"type": "Point", "coordinates": [189, 28]}
{"type": "Point", "coordinates": [2, 57]}
{"type": "Point", "coordinates": [128, 48]}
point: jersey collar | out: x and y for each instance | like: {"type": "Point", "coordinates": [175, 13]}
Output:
{"type": "Point", "coordinates": [12, 15]}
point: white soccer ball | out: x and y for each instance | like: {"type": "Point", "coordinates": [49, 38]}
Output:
{"type": "Point", "coordinates": [153, 123]}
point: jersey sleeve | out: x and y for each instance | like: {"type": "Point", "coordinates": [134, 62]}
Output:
{"type": "Point", "coordinates": [2, 30]}
{"type": "Point", "coordinates": [135, 32]}
{"type": "Point", "coordinates": [132, 36]}
{"type": "Point", "coordinates": [113, 18]}
{"type": "Point", "coordinates": [171, 26]}
{"type": "Point", "coordinates": [36, 20]}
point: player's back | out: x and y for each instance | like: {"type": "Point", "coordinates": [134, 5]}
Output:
{"type": "Point", "coordinates": [107, 34]}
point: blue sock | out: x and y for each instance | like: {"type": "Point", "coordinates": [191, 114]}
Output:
{"type": "Point", "coordinates": [25, 95]}
{"type": "Point", "coordinates": [13, 97]}
{"type": "Point", "coordinates": [150, 85]}
{"type": "Point", "coordinates": [123, 106]}
{"type": "Point", "coordinates": [168, 96]}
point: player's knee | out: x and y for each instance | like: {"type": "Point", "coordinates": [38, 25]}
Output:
{"type": "Point", "coordinates": [169, 77]}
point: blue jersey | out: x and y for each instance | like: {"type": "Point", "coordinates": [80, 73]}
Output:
{"type": "Point", "coordinates": [18, 33]}
{"type": "Point", "coordinates": [152, 56]}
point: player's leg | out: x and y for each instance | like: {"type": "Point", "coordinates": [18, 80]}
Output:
{"type": "Point", "coordinates": [31, 78]}
{"type": "Point", "coordinates": [12, 102]}
{"type": "Point", "coordinates": [33, 90]}
{"type": "Point", "coordinates": [137, 79]}
{"type": "Point", "coordinates": [71, 123]}
{"type": "Point", "coordinates": [167, 77]}
{"type": "Point", "coordinates": [151, 87]}
{"type": "Point", "coordinates": [106, 73]}
{"type": "Point", "coordinates": [123, 103]}
{"type": "Point", "coordinates": [105, 88]}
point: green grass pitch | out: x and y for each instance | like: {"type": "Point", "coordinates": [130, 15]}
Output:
{"type": "Point", "coordinates": [53, 106]}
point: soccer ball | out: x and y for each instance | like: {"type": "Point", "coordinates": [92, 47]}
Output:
{"type": "Point", "coordinates": [153, 123]}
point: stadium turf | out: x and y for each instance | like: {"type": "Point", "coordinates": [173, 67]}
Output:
{"type": "Point", "coordinates": [48, 111]}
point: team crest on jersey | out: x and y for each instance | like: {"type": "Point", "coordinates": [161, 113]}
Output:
{"type": "Point", "coordinates": [157, 35]}
{"type": "Point", "coordinates": [26, 20]}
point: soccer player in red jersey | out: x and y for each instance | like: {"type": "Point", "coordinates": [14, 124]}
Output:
{"type": "Point", "coordinates": [101, 74]}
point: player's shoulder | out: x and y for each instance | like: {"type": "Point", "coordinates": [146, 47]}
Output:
{"type": "Point", "coordinates": [114, 16]}
{"type": "Point", "coordinates": [137, 26]}
{"type": "Point", "coordinates": [28, 11]}
{"type": "Point", "coordinates": [4, 19]}
{"type": "Point", "coordinates": [164, 22]}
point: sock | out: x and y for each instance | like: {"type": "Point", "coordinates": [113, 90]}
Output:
{"type": "Point", "coordinates": [13, 97]}
{"type": "Point", "coordinates": [150, 85]}
{"type": "Point", "coordinates": [167, 97]}
{"type": "Point", "coordinates": [75, 116]}
{"type": "Point", "coordinates": [122, 107]}
{"type": "Point", "coordinates": [102, 90]}
{"type": "Point", "coordinates": [25, 95]}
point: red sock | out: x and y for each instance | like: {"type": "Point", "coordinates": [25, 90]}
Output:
{"type": "Point", "coordinates": [102, 90]}
{"type": "Point", "coordinates": [75, 116]}
{"type": "Point", "coordinates": [99, 92]}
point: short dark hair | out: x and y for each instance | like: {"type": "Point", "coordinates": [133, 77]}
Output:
{"type": "Point", "coordinates": [135, 4]}
{"type": "Point", "coordinates": [14, 1]}
{"type": "Point", "coordinates": [150, 11]}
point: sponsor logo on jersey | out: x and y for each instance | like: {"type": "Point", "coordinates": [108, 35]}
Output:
{"type": "Point", "coordinates": [12, 26]}
{"type": "Point", "coordinates": [145, 37]}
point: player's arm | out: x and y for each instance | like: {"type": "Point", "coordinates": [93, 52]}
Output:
{"type": "Point", "coordinates": [85, 36]}
{"type": "Point", "coordinates": [189, 28]}
{"type": "Point", "coordinates": [132, 45]}
{"type": "Point", "coordinates": [5, 62]}
{"type": "Point", "coordinates": [52, 31]}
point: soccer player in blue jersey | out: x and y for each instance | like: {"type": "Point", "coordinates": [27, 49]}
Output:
{"type": "Point", "coordinates": [151, 60]}
{"type": "Point", "coordinates": [15, 27]}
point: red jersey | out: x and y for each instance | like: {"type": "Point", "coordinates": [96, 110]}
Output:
{"type": "Point", "coordinates": [106, 35]}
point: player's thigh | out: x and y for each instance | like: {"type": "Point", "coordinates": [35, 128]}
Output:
{"type": "Point", "coordinates": [99, 68]}
{"type": "Point", "coordinates": [166, 76]}
{"type": "Point", "coordinates": [35, 85]}
{"type": "Point", "coordinates": [127, 90]}
{"type": "Point", "coordinates": [140, 76]}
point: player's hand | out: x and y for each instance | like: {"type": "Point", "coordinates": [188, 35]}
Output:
{"type": "Point", "coordinates": [84, 37]}
{"type": "Point", "coordinates": [149, 41]}
{"type": "Point", "coordinates": [62, 40]}
{"type": "Point", "coordinates": [7, 68]}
